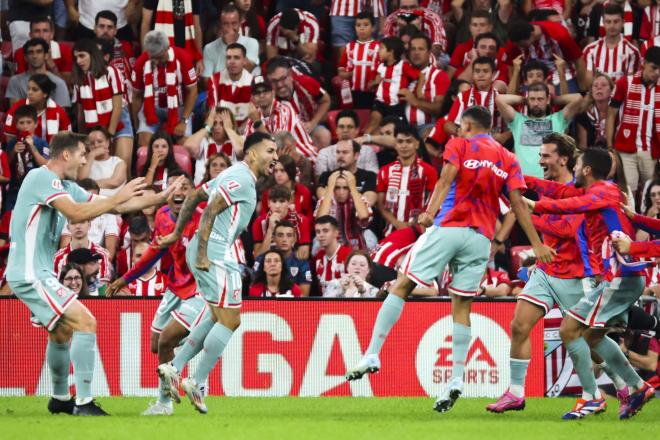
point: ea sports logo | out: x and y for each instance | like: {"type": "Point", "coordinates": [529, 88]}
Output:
{"type": "Point", "coordinates": [487, 362]}
{"type": "Point", "coordinates": [472, 164]}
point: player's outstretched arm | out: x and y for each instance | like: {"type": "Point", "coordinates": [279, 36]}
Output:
{"type": "Point", "coordinates": [543, 253]}
{"type": "Point", "coordinates": [442, 186]}
{"type": "Point", "coordinates": [80, 212]}
{"type": "Point", "coordinates": [145, 201]}
{"type": "Point", "coordinates": [215, 207]}
{"type": "Point", "coordinates": [187, 210]}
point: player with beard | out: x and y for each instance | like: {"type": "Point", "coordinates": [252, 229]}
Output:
{"type": "Point", "coordinates": [181, 308]}
{"type": "Point", "coordinates": [232, 197]}
{"type": "Point", "coordinates": [528, 130]}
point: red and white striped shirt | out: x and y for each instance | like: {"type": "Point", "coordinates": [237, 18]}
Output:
{"type": "Point", "coordinates": [436, 83]}
{"type": "Point", "coordinates": [406, 189]}
{"type": "Point", "coordinates": [185, 76]}
{"type": "Point", "coordinates": [232, 95]}
{"type": "Point", "coordinates": [306, 93]}
{"type": "Point", "coordinates": [473, 97]}
{"type": "Point", "coordinates": [628, 20]}
{"type": "Point", "coordinates": [620, 60]}
{"type": "Point", "coordinates": [394, 78]}
{"type": "Point", "coordinates": [650, 43]}
{"type": "Point", "coordinates": [361, 58]}
{"type": "Point", "coordinates": [95, 96]}
{"type": "Point", "coordinates": [282, 117]}
{"type": "Point", "coordinates": [153, 285]}
{"type": "Point", "coordinates": [51, 121]}
{"type": "Point", "coordinates": [308, 32]}
{"type": "Point", "coordinates": [105, 269]}
{"type": "Point", "coordinates": [330, 268]}
{"type": "Point", "coordinates": [432, 26]}
{"type": "Point", "coordinates": [351, 8]}
{"type": "Point", "coordinates": [394, 246]}
{"type": "Point", "coordinates": [650, 26]}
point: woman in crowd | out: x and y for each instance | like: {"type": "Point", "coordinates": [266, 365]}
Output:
{"type": "Point", "coordinates": [284, 173]}
{"type": "Point", "coordinates": [71, 276]}
{"type": "Point", "coordinates": [354, 283]}
{"type": "Point", "coordinates": [272, 279]}
{"type": "Point", "coordinates": [51, 118]}
{"type": "Point", "coordinates": [160, 160]}
{"type": "Point", "coordinates": [108, 171]}
{"type": "Point", "coordinates": [591, 123]}
{"type": "Point", "coordinates": [100, 96]}
{"type": "Point", "coordinates": [215, 164]}
{"type": "Point", "coordinates": [252, 23]}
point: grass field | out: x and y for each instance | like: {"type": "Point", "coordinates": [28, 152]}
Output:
{"type": "Point", "coordinates": [324, 418]}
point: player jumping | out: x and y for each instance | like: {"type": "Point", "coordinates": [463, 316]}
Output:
{"type": "Point", "coordinates": [476, 171]}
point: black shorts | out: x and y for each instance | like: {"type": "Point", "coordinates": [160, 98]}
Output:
{"type": "Point", "coordinates": [389, 110]}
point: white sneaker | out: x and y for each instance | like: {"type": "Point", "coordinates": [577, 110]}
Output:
{"type": "Point", "coordinates": [449, 396]}
{"type": "Point", "coordinates": [170, 375]}
{"type": "Point", "coordinates": [369, 364]}
{"type": "Point", "coordinates": [159, 409]}
{"type": "Point", "coordinates": [195, 393]}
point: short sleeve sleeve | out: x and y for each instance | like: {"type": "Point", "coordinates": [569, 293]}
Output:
{"type": "Point", "coordinates": [78, 194]}
{"type": "Point", "coordinates": [515, 179]}
{"type": "Point", "coordinates": [454, 152]}
{"type": "Point", "coordinates": [50, 188]}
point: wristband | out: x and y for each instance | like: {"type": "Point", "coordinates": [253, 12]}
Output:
{"type": "Point", "coordinates": [209, 130]}
{"type": "Point", "coordinates": [367, 138]}
{"type": "Point", "coordinates": [498, 242]}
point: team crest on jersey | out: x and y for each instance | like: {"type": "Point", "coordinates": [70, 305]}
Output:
{"type": "Point", "coordinates": [626, 132]}
{"type": "Point", "coordinates": [294, 271]}
{"type": "Point", "coordinates": [236, 294]}
{"type": "Point", "coordinates": [233, 185]}
{"type": "Point", "coordinates": [57, 184]}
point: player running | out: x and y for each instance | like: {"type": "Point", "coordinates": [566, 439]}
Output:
{"type": "Point", "coordinates": [563, 282]}
{"type": "Point", "coordinates": [586, 323]}
{"type": "Point", "coordinates": [476, 172]}
{"type": "Point", "coordinates": [35, 232]}
{"type": "Point", "coordinates": [181, 308]}
{"type": "Point", "coordinates": [232, 198]}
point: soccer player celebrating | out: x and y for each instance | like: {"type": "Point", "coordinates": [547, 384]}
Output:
{"type": "Point", "coordinates": [48, 192]}
{"type": "Point", "coordinates": [477, 171]}
{"type": "Point", "coordinates": [232, 197]}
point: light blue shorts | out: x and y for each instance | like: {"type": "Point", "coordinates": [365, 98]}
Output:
{"type": "Point", "coordinates": [127, 129]}
{"type": "Point", "coordinates": [186, 312]}
{"type": "Point", "coordinates": [608, 304]}
{"type": "Point", "coordinates": [545, 291]}
{"type": "Point", "coordinates": [46, 298]}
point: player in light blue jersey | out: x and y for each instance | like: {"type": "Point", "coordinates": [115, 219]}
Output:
{"type": "Point", "coordinates": [47, 198]}
{"type": "Point", "coordinates": [212, 257]}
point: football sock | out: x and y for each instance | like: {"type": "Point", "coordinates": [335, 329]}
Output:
{"type": "Point", "coordinates": [518, 369]}
{"type": "Point", "coordinates": [59, 359]}
{"type": "Point", "coordinates": [214, 344]}
{"type": "Point", "coordinates": [612, 354]}
{"type": "Point", "coordinates": [460, 343]}
{"type": "Point", "coordinates": [388, 315]}
{"type": "Point", "coordinates": [163, 397]}
{"type": "Point", "coordinates": [83, 346]}
{"type": "Point", "coordinates": [194, 343]}
{"type": "Point", "coordinates": [580, 354]}
{"type": "Point", "coordinates": [619, 384]}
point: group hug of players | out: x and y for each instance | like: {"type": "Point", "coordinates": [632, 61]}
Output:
{"type": "Point", "coordinates": [586, 265]}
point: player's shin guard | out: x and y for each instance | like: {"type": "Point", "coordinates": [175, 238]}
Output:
{"type": "Point", "coordinates": [388, 315]}
{"type": "Point", "coordinates": [612, 354]}
{"type": "Point", "coordinates": [518, 368]}
{"type": "Point", "coordinates": [59, 359]}
{"type": "Point", "coordinates": [581, 357]}
{"type": "Point", "coordinates": [83, 346]}
{"type": "Point", "coordinates": [460, 344]}
{"type": "Point", "coordinates": [193, 344]}
{"type": "Point", "coordinates": [214, 344]}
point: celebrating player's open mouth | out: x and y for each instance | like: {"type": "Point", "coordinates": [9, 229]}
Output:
{"type": "Point", "coordinates": [271, 167]}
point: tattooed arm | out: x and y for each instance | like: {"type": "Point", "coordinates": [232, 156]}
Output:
{"type": "Point", "coordinates": [215, 207]}
{"type": "Point", "coordinates": [187, 211]}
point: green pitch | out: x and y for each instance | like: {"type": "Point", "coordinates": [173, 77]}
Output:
{"type": "Point", "coordinates": [324, 418]}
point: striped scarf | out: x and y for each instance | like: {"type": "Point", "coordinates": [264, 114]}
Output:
{"type": "Point", "coordinates": [165, 17]}
{"type": "Point", "coordinates": [172, 93]}
{"type": "Point", "coordinates": [52, 121]}
{"type": "Point", "coordinates": [632, 117]}
{"type": "Point", "coordinates": [96, 101]}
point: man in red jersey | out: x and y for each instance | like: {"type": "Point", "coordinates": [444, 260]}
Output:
{"type": "Point", "coordinates": [586, 323]}
{"type": "Point", "coordinates": [477, 170]}
{"type": "Point", "coordinates": [181, 307]}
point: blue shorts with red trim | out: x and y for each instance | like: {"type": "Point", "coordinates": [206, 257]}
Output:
{"type": "Point", "coordinates": [46, 298]}
{"type": "Point", "coordinates": [608, 304]}
{"type": "Point", "coordinates": [547, 291]}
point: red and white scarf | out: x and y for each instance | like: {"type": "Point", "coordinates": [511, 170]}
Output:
{"type": "Point", "coordinates": [53, 122]}
{"type": "Point", "coordinates": [96, 100]}
{"type": "Point", "coordinates": [165, 18]}
{"type": "Point", "coordinates": [172, 93]}
{"type": "Point", "coordinates": [632, 117]}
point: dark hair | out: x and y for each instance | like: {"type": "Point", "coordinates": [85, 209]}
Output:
{"type": "Point", "coordinates": [279, 192]}
{"type": "Point", "coordinates": [365, 254]}
{"type": "Point", "coordinates": [285, 224]}
{"type": "Point", "coordinates": [565, 146]}
{"type": "Point", "coordinates": [179, 172]}
{"type": "Point", "coordinates": [89, 184]}
{"type": "Point", "coordinates": [65, 140]}
{"type": "Point", "coordinates": [420, 36]}
{"type": "Point", "coordinates": [252, 21]}
{"type": "Point", "coordinates": [485, 60]}
{"type": "Point", "coordinates": [535, 65]}
{"type": "Point", "coordinates": [392, 119]}
{"type": "Point", "coordinates": [103, 129]}
{"type": "Point", "coordinates": [255, 138]}
{"type": "Point", "coordinates": [230, 8]}
{"type": "Point", "coordinates": [647, 196]}
{"type": "Point", "coordinates": [409, 30]}
{"type": "Point", "coordinates": [84, 289]}
{"type": "Point", "coordinates": [519, 30]}
{"type": "Point", "coordinates": [25, 111]}
{"type": "Point", "coordinates": [349, 113]}
{"type": "Point", "coordinates": [35, 42]}
{"type": "Point", "coordinates": [480, 13]}
{"type": "Point", "coordinates": [487, 35]}
{"type": "Point", "coordinates": [599, 160]}
{"type": "Point", "coordinates": [395, 45]}
{"type": "Point", "coordinates": [653, 55]}
{"type": "Point", "coordinates": [44, 83]}
{"type": "Point", "coordinates": [539, 87]}
{"type": "Point", "coordinates": [542, 14]}
{"type": "Point", "coordinates": [207, 166]}
{"type": "Point", "coordinates": [170, 161]}
{"type": "Point", "coordinates": [286, 283]}
{"type": "Point", "coordinates": [406, 130]}
{"type": "Point", "coordinates": [139, 224]}
{"type": "Point", "coordinates": [108, 15]}
{"type": "Point", "coordinates": [613, 9]}
{"type": "Point", "coordinates": [107, 46]}
{"type": "Point", "coordinates": [290, 19]}
{"type": "Point", "coordinates": [97, 65]}
{"type": "Point", "coordinates": [365, 15]}
{"type": "Point", "coordinates": [238, 46]}
{"type": "Point", "coordinates": [480, 115]}
{"type": "Point", "coordinates": [327, 219]}
{"type": "Point", "coordinates": [276, 63]}
{"type": "Point", "coordinates": [289, 166]}
{"type": "Point", "coordinates": [42, 19]}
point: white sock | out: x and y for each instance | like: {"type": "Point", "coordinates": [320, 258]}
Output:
{"type": "Point", "coordinates": [83, 400]}
{"type": "Point", "coordinates": [517, 390]}
{"type": "Point", "coordinates": [62, 397]}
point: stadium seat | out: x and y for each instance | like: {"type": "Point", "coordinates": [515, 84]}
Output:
{"type": "Point", "coordinates": [180, 155]}
{"type": "Point", "coordinates": [516, 260]}
{"type": "Point", "coordinates": [363, 115]}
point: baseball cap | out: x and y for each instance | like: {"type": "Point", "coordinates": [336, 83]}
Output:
{"type": "Point", "coordinates": [83, 256]}
{"type": "Point", "coordinates": [260, 82]}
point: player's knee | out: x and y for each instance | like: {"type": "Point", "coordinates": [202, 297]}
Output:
{"type": "Point", "coordinates": [568, 332]}
{"type": "Point", "coordinates": [519, 329]}
{"type": "Point", "coordinates": [155, 342]}
{"type": "Point", "coordinates": [87, 323]}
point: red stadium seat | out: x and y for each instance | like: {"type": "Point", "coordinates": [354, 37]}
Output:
{"type": "Point", "coordinates": [516, 260]}
{"type": "Point", "coordinates": [363, 115]}
{"type": "Point", "coordinates": [180, 155]}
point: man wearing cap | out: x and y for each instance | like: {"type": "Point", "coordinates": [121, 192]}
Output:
{"type": "Point", "coordinates": [273, 116]}
{"type": "Point", "coordinates": [92, 263]}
